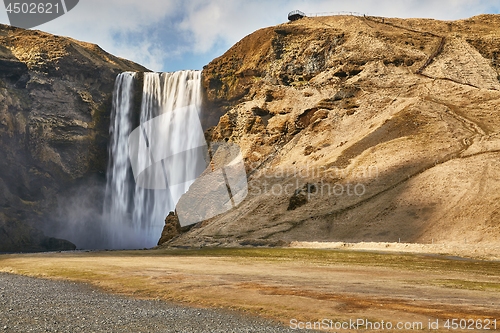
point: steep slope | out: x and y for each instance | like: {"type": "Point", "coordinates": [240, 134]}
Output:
{"type": "Point", "coordinates": [55, 99]}
{"type": "Point", "coordinates": [361, 129]}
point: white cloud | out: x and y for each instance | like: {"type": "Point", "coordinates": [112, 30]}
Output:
{"type": "Point", "coordinates": [152, 32]}
{"type": "Point", "coordinates": [100, 21]}
{"type": "Point", "coordinates": [230, 20]}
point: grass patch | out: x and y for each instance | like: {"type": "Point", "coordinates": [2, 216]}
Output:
{"type": "Point", "coordinates": [349, 257]}
{"type": "Point", "coordinates": [404, 261]}
{"type": "Point", "coordinates": [467, 284]}
{"type": "Point", "coordinates": [316, 257]}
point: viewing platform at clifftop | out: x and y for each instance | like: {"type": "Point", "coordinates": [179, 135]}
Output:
{"type": "Point", "coordinates": [295, 15]}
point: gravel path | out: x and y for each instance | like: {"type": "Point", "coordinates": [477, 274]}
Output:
{"type": "Point", "coordinates": [37, 305]}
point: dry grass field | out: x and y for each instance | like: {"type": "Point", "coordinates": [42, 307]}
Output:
{"type": "Point", "coordinates": [308, 285]}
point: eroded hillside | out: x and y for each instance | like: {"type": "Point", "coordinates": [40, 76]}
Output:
{"type": "Point", "coordinates": [361, 128]}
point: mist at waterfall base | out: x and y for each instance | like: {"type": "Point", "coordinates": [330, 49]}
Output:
{"type": "Point", "coordinates": [142, 185]}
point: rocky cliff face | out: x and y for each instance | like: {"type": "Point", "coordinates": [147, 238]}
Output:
{"type": "Point", "coordinates": [55, 101]}
{"type": "Point", "coordinates": [361, 129]}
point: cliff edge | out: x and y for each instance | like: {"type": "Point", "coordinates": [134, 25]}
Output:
{"type": "Point", "coordinates": [55, 102]}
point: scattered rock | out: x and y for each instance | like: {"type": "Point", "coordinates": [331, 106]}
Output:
{"type": "Point", "coordinates": [260, 111]}
{"type": "Point", "coordinates": [345, 93]}
{"type": "Point", "coordinates": [297, 200]}
{"type": "Point", "coordinates": [269, 96]}
{"type": "Point", "coordinates": [309, 150]}
{"type": "Point", "coordinates": [171, 229]}
{"type": "Point", "coordinates": [301, 196]}
{"type": "Point", "coordinates": [304, 119]}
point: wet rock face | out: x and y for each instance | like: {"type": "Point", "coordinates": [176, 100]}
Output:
{"type": "Point", "coordinates": [17, 236]}
{"type": "Point", "coordinates": [55, 101]}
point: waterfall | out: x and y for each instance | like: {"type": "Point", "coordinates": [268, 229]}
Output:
{"type": "Point", "coordinates": [165, 153]}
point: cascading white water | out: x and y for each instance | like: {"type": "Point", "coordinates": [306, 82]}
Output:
{"type": "Point", "coordinates": [119, 184]}
{"type": "Point", "coordinates": [134, 211]}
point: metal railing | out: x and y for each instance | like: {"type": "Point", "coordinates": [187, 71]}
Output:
{"type": "Point", "coordinates": [298, 13]}
{"type": "Point", "coordinates": [334, 14]}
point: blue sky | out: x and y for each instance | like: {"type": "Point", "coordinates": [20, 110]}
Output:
{"type": "Point", "coordinates": [169, 35]}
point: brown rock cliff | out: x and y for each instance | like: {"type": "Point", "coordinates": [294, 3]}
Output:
{"type": "Point", "coordinates": [395, 122]}
{"type": "Point", "coordinates": [55, 101]}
